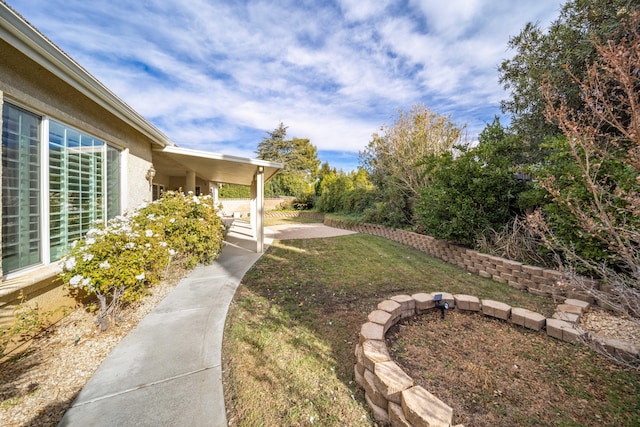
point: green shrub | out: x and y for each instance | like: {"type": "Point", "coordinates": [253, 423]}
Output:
{"type": "Point", "coordinates": [304, 202]}
{"type": "Point", "coordinates": [587, 236]}
{"type": "Point", "coordinates": [474, 190]}
{"type": "Point", "coordinates": [234, 191]}
{"type": "Point", "coordinates": [118, 261]}
{"type": "Point", "coordinates": [190, 224]}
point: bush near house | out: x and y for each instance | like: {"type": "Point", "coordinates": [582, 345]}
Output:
{"type": "Point", "coordinates": [119, 260]}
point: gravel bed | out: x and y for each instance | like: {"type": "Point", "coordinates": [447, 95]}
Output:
{"type": "Point", "coordinates": [604, 323]}
{"type": "Point", "coordinates": [37, 389]}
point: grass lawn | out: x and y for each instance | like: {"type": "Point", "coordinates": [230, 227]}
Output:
{"type": "Point", "coordinates": [294, 322]}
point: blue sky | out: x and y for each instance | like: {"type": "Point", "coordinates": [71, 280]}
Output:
{"type": "Point", "coordinates": [218, 75]}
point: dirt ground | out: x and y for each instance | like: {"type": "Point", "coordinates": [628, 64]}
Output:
{"type": "Point", "coordinates": [38, 384]}
{"type": "Point", "coordinates": [496, 374]}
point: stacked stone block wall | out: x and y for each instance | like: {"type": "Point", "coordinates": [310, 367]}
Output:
{"type": "Point", "coordinates": [533, 279]}
{"type": "Point", "coordinates": [292, 214]}
{"type": "Point", "coordinates": [393, 396]}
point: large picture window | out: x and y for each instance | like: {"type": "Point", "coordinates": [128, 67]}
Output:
{"type": "Point", "coordinates": [84, 184]}
{"type": "Point", "coordinates": [83, 176]}
{"type": "Point", "coordinates": [21, 238]}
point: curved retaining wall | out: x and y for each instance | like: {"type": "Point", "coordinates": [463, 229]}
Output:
{"type": "Point", "coordinates": [293, 214]}
{"type": "Point", "coordinates": [391, 393]}
{"type": "Point", "coordinates": [535, 280]}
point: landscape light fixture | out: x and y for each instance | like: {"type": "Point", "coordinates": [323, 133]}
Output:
{"type": "Point", "coordinates": [440, 305]}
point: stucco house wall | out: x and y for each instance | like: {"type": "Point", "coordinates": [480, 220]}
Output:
{"type": "Point", "coordinates": [28, 85]}
{"type": "Point", "coordinates": [25, 84]}
{"type": "Point", "coordinates": [75, 152]}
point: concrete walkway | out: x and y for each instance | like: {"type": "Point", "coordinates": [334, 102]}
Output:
{"type": "Point", "coordinates": [167, 371]}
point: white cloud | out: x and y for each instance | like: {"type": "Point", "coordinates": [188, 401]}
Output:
{"type": "Point", "coordinates": [359, 10]}
{"type": "Point", "coordinates": [219, 75]}
{"type": "Point", "coordinates": [449, 19]}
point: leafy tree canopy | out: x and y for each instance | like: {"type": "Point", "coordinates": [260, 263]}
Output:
{"type": "Point", "coordinates": [300, 159]}
{"type": "Point", "coordinates": [234, 191]}
{"type": "Point", "coordinates": [544, 55]}
{"type": "Point", "coordinates": [392, 158]}
{"type": "Point", "coordinates": [473, 191]}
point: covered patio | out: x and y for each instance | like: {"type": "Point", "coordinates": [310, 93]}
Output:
{"type": "Point", "coordinates": [184, 168]}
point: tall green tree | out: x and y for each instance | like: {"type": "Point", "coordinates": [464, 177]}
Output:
{"type": "Point", "coordinates": [348, 193]}
{"type": "Point", "coordinates": [543, 56]}
{"type": "Point", "coordinates": [594, 178]}
{"type": "Point", "coordinates": [392, 159]}
{"type": "Point", "coordinates": [475, 190]}
{"type": "Point", "coordinates": [325, 172]}
{"type": "Point", "coordinates": [300, 159]}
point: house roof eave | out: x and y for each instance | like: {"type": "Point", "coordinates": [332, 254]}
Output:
{"type": "Point", "coordinates": [33, 44]}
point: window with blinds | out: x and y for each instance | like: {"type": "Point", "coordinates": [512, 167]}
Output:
{"type": "Point", "coordinates": [84, 186]}
{"type": "Point", "coordinates": [113, 182]}
{"type": "Point", "coordinates": [84, 183]}
{"type": "Point", "coordinates": [20, 188]}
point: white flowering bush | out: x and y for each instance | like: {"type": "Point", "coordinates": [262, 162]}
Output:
{"type": "Point", "coordinates": [192, 227]}
{"type": "Point", "coordinates": [118, 261]}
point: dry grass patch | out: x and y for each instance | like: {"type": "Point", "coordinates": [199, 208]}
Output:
{"type": "Point", "coordinates": [292, 327]}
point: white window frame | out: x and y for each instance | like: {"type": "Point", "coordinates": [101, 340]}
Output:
{"type": "Point", "coordinates": [45, 225]}
{"type": "Point", "coordinates": [32, 267]}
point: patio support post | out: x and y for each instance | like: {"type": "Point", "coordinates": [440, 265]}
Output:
{"type": "Point", "coordinates": [213, 190]}
{"type": "Point", "coordinates": [190, 185]}
{"type": "Point", "coordinates": [257, 208]}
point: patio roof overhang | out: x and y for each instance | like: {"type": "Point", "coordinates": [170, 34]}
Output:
{"type": "Point", "coordinates": [214, 167]}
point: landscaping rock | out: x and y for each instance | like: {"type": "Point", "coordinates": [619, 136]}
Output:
{"type": "Point", "coordinates": [408, 305]}
{"type": "Point", "coordinates": [496, 309]}
{"type": "Point", "coordinates": [391, 307]}
{"type": "Point", "coordinates": [381, 317]}
{"type": "Point", "coordinates": [579, 303]}
{"type": "Point", "coordinates": [424, 302]}
{"type": "Point", "coordinates": [374, 351]}
{"type": "Point", "coordinates": [467, 302]}
{"type": "Point", "coordinates": [380, 414]}
{"type": "Point", "coordinates": [396, 416]}
{"type": "Point", "coordinates": [358, 375]}
{"type": "Point", "coordinates": [391, 380]}
{"type": "Point", "coordinates": [423, 409]}
{"type": "Point", "coordinates": [527, 318]}
{"type": "Point", "coordinates": [625, 350]}
{"type": "Point", "coordinates": [359, 359]}
{"type": "Point", "coordinates": [570, 308]}
{"type": "Point", "coordinates": [581, 295]}
{"type": "Point", "coordinates": [563, 330]}
{"type": "Point", "coordinates": [371, 331]}
{"type": "Point", "coordinates": [566, 317]}
{"type": "Point", "coordinates": [371, 390]}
